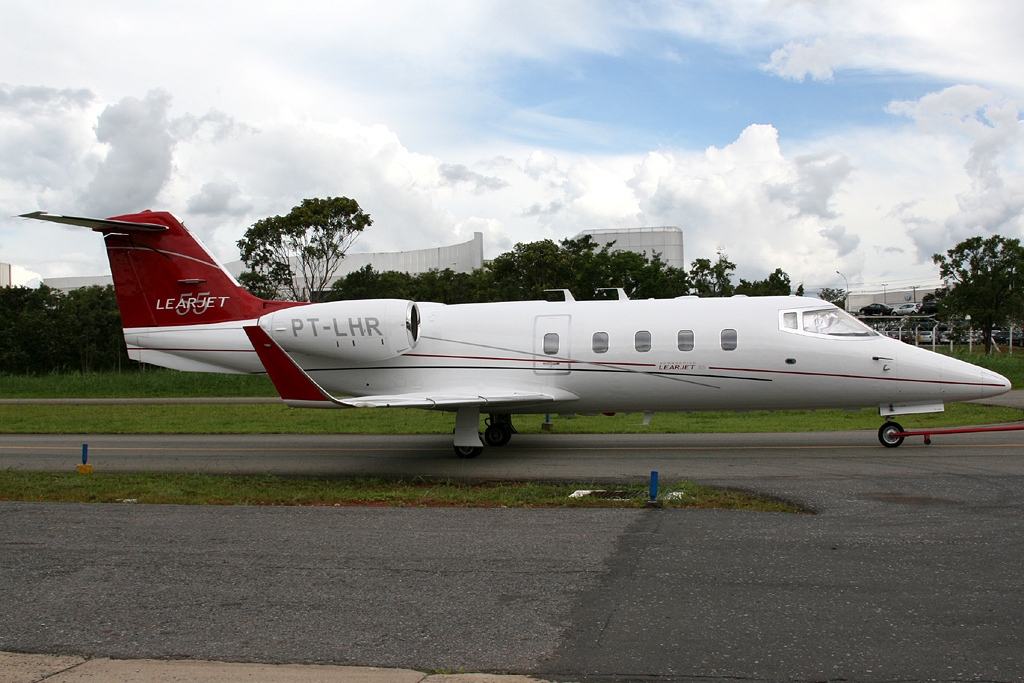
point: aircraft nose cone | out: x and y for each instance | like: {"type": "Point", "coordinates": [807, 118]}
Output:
{"type": "Point", "coordinates": [994, 383]}
{"type": "Point", "coordinates": [970, 381]}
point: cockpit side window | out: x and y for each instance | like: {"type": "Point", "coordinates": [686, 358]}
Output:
{"type": "Point", "coordinates": [829, 322]}
{"type": "Point", "coordinates": [835, 323]}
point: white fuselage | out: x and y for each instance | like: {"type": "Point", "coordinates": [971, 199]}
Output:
{"type": "Point", "coordinates": [685, 354]}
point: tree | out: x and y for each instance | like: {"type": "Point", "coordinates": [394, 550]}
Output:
{"type": "Point", "coordinates": [833, 296]}
{"type": "Point", "coordinates": [581, 267]}
{"type": "Point", "coordinates": [776, 284]}
{"type": "Point", "coordinates": [297, 255]}
{"type": "Point", "coordinates": [49, 331]}
{"type": "Point", "coordinates": [986, 280]}
{"type": "Point", "coordinates": [712, 279]}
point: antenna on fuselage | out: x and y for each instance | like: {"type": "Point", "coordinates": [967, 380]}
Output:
{"type": "Point", "coordinates": [622, 292]}
{"type": "Point", "coordinates": [565, 292]}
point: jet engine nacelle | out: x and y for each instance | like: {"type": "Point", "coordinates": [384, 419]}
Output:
{"type": "Point", "coordinates": [358, 331]}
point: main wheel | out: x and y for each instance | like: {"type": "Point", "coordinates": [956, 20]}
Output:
{"type": "Point", "coordinates": [467, 452]}
{"type": "Point", "coordinates": [498, 434]}
{"type": "Point", "coordinates": [886, 432]}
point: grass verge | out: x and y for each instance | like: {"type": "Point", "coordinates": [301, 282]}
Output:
{"type": "Point", "coordinates": [201, 489]}
{"type": "Point", "coordinates": [279, 419]}
{"type": "Point", "coordinates": [148, 383]}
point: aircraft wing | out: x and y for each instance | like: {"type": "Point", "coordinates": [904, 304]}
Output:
{"type": "Point", "coordinates": [299, 390]}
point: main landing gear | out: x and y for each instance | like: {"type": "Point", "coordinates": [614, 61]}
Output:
{"type": "Point", "coordinates": [887, 434]}
{"type": "Point", "coordinates": [499, 432]}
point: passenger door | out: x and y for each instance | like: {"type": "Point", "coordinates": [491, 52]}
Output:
{"type": "Point", "coordinates": [551, 347]}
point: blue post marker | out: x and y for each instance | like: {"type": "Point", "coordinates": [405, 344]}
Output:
{"type": "Point", "coordinates": [85, 468]}
{"type": "Point", "coordinates": [654, 485]}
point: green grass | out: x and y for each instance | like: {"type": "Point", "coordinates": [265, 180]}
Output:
{"type": "Point", "coordinates": [278, 419]}
{"type": "Point", "coordinates": [199, 489]}
{"type": "Point", "coordinates": [151, 383]}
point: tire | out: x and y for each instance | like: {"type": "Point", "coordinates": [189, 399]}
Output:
{"type": "Point", "coordinates": [497, 435]}
{"type": "Point", "coordinates": [468, 452]}
{"type": "Point", "coordinates": [885, 433]}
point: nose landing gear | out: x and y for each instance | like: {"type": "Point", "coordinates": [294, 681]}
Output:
{"type": "Point", "coordinates": [887, 434]}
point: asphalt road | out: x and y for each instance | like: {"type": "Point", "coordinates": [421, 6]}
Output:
{"type": "Point", "coordinates": [910, 569]}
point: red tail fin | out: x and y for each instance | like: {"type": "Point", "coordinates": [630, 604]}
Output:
{"type": "Point", "coordinates": [164, 276]}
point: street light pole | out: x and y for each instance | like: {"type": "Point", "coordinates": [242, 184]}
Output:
{"type": "Point", "coordinates": [847, 304]}
{"type": "Point", "coordinates": [885, 299]}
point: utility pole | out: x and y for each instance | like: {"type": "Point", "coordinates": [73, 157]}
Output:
{"type": "Point", "coordinates": [847, 304]}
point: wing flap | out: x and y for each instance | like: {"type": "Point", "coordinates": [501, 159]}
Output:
{"type": "Point", "coordinates": [454, 400]}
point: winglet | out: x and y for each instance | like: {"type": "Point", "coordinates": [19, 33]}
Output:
{"type": "Point", "coordinates": [295, 386]}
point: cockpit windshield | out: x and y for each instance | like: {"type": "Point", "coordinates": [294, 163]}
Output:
{"type": "Point", "coordinates": [836, 323]}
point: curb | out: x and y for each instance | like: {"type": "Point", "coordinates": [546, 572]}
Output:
{"type": "Point", "coordinates": [27, 668]}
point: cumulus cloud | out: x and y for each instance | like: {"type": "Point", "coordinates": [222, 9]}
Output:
{"type": "Point", "coordinates": [795, 61]}
{"type": "Point", "coordinates": [767, 208]}
{"type": "Point", "coordinates": [995, 201]}
{"type": "Point", "coordinates": [542, 164]}
{"type": "Point", "coordinates": [454, 174]}
{"type": "Point", "coordinates": [551, 208]}
{"type": "Point", "coordinates": [218, 198]}
{"type": "Point", "coordinates": [844, 242]}
{"type": "Point", "coordinates": [818, 177]}
{"type": "Point", "coordinates": [44, 134]}
{"type": "Point", "coordinates": [139, 161]}
{"type": "Point", "coordinates": [741, 197]}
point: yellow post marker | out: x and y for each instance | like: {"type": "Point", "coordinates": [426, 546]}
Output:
{"type": "Point", "coordinates": [85, 468]}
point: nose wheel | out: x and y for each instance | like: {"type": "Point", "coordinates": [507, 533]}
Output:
{"type": "Point", "coordinates": [887, 432]}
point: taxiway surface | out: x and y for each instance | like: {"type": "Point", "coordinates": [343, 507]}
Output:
{"type": "Point", "coordinates": [909, 570]}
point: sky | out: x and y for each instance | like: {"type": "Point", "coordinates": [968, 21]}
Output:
{"type": "Point", "coordinates": [813, 136]}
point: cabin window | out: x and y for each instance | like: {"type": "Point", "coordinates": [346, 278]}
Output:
{"type": "Point", "coordinates": [789, 320]}
{"type": "Point", "coordinates": [685, 340]}
{"type": "Point", "coordinates": [551, 343]}
{"type": "Point", "coordinates": [729, 338]}
{"type": "Point", "coordinates": [835, 323]}
{"type": "Point", "coordinates": [642, 341]}
{"type": "Point", "coordinates": [600, 342]}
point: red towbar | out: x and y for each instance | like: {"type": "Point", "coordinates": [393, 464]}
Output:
{"type": "Point", "coordinates": [891, 434]}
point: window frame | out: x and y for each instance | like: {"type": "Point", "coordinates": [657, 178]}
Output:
{"type": "Point", "coordinates": [637, 343]}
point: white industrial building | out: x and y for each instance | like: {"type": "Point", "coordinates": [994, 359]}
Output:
{"type": "Point", "coordinates": [889, 297]}
{"type": "Point", "coordinates": [665, 240]}
{"type": "Point", "coordinates": [464, 257]}
{"type": "Point", "coordinates": [5, 274]}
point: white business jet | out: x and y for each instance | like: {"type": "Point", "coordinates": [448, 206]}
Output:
{"type": "Point", "coordinates": [181, 309]}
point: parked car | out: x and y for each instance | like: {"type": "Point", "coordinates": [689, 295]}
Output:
{"type": "Point", "coordinates": [875, 309]}
{"type": "Point", "coordinates": [905, 309]}
{"type": "Point", "coordinates": [1002, 337]}
{"type": "Point", "coordinates": [929, 308]}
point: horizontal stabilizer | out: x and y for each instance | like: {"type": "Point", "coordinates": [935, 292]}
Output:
{"type": "Point", "coordinates": [97, 224]}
